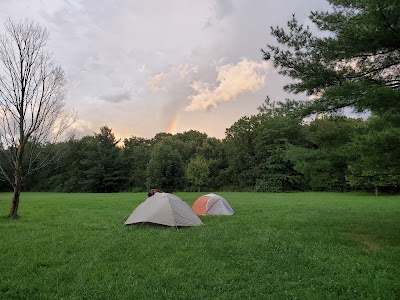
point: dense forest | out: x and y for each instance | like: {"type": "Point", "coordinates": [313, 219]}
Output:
{"type": "Point", "coordinates": [266, 153]}
{"type": "Point", "coordinates": [350, 59]}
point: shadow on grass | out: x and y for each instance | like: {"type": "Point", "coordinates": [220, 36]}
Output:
{"type": "Point", "coordinates": [154, 225]}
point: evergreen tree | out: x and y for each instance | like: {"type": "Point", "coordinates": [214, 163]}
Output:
{"type": "Point", "coordinates": [353, 62]}
{"type": "Point", "coordinates": [276, 173]}
{"type": "Point", "coordinates": [104, 166]}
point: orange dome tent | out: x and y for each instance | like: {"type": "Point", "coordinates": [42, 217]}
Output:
{"type": "Point", "coordinates": [212, 204]}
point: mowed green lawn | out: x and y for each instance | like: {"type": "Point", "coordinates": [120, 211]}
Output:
{"type": "Point", "coordinates": [276, 246]}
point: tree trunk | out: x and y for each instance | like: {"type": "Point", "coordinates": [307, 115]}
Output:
{"type": "Point", "coordinates": [376, 191]}
{"type": "Point", "coordinates": [17, 188]}
{"type": "Point", "coordinates": [15, 203]}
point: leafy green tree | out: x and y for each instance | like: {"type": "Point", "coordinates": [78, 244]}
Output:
{"type": "Point", "coordinates": [187, 144]}
{"type": "Point", "coordinates": [40, 180]}
{"type": "Point", "coordinates": [239, 146]}
{"type": "Point", "coordinates": [159, 137]}
{"type": "Point", "coordinates": [197, 171]}
{"type": "Point", "coordinates": [165, 169]}
{"type": "Point", "coordinates": [4, 185]}
{"type": "Point", "coordinates": [376, 159]}
{"type": "Point", "coordinates": [256, 151]}
{"type": "Point", "coordinates": [104, 165]}
{"type": "Point", "coordinates": [137, 151]}
{"type": "Point", "coordinates": [66, 175]}
{"type": "Point", "coordinates": [276, 172]}
{"type": "Point", "coordinates": [353, 61]}
{"type": "Point", "coordinates": [213, 152]}
{"type": "Point", "coordinates": [323, 158]}
{"type": "Point", "coordinates": [71, 168]}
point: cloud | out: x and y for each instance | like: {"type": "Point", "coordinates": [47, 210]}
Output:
{"type": "Point", "coordinates": [232, 80]}
{"type": "Point", "coordinates": [162, 81]}
{"type": "Point", "coordinates": [82, 128]}
{"type": "Point", "coordinates": [115, 50]}
{"type": "Point", "coordinates": [184, 70]}
{"type": "Point", "coordinates": [154, 83]}
{"type": "Point", "coordinates": [221, 9]}
{"type": "Point", "coordinates": [117, 97]}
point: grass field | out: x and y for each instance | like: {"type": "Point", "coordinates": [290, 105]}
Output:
{"type": "Point", "coordinates": [276, 246]}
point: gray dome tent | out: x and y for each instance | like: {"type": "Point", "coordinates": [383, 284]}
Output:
{"type": "Point", "coordinates": [164, 209]}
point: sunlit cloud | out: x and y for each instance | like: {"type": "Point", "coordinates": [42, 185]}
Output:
{"type": "Point", "coordinates": [183, 70]}
{"type": "Point", "coordinates": [232, 80]}
{"type": "Point", "coordinates": [155, 83]}
{"type": "Point", "coordinates": [160, 81]}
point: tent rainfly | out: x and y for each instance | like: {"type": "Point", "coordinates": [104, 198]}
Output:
{"type": "Point", "coordinates": [212, 204]}
{"type": "Point", "coordinates": [164, 209]}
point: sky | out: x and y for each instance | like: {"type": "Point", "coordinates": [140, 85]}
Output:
{"type": "Point", "coordinates": [142, 67]}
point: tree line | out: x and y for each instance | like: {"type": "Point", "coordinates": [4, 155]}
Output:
{"type": "Point", "coordinates": [264, 152]}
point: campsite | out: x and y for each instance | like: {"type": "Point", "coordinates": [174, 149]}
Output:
{"type": "Point", "coordinates": [208, 150]}
{"type": "Point", "coordinates": [275, 246]}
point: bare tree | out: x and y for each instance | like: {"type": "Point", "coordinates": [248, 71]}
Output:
{"type": "Point", "coordinates": [32, 107]}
